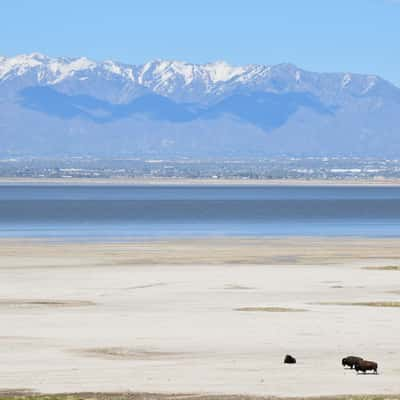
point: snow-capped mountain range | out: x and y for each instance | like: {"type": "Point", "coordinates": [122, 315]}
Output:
{"type": "Point", "coordinates": [175, 79]}
{"type": "Point", "coordinates": [180, 108]}
{"type": "Point", "coordinates": [53, 70]}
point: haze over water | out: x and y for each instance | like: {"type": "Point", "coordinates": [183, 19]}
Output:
{"type": "Point", "coordinates": [123, 212]}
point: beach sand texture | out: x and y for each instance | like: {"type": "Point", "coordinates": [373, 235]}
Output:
{"type": "Point", "coordinates": [200, 316]}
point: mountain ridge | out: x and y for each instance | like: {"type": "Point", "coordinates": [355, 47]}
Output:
{"type": "Point", "coordinates": [80, 106]}
{"type": "Point", "coordinates": [163, 76]}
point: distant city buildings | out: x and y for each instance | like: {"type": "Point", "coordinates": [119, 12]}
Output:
{"type": "Point", "coordinates": [336, 168]}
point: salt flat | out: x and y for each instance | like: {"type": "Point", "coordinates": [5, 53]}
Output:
{"type": "Point", "coordinates": [116, 317]}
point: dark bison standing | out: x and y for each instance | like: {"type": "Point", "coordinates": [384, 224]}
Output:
{"type": "Point", "coordinates": [289, 359]}
{"type": "Point", "coordinates": [364, 366]}
{"type": "Point", "coordinates": [351, 361]}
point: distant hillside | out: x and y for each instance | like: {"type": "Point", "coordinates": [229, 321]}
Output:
{"type": "Point", "coordinates": [62, 106]}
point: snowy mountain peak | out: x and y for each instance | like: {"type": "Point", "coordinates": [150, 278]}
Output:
{"type": "Point", "coordinates": [179, 80]}
{"type": "Point", "coordinates": [221, 71]}
{"type": "Point", "coordinates": [62, 70]}
{"type": "Point", "coordinates": [47, 70]}
{"type": "Point", "coordinates": [37, 56]}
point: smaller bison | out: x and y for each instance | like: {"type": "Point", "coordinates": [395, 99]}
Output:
{"type": "Point", "coordinates": [351, 361]}
{"type": "Point", "coordinates": [289, 359]}
{"type": "Point", "coordinates": [364, 366]}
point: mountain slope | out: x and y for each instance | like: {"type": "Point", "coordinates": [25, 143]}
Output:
{"type": "Point", "coordinates": [79, 106]}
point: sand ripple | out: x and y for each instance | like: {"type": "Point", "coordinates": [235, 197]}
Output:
{"type": "Point", "coordinates": [39, 303]}
{"type": "Point", "coordinates": [126, 353]}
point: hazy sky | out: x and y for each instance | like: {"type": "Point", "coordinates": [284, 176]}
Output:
{"type": "Point", "coordinates": [320, 35]}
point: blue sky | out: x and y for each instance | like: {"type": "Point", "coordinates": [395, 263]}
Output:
{"type": "Point", "coordinates": [320, 35]}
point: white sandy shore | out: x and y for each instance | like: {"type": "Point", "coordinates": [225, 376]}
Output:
{"type": "Point", "coordinates": [72, 323]}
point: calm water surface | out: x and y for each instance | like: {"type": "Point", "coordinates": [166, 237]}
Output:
{"type": "Point", "coordinates": [113, 212]}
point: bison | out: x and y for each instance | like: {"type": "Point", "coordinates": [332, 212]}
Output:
{"type": "Point", "coordinates": [351, 361]}
{"type": "Point", "coordinates": [364, 366]}
{"type": "Point", "coordinates": [289, 359]}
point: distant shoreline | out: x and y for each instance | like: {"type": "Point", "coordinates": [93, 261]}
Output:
{"type": "Point", "coordinates": [200, 182]}
{"type": "Point", "coordinates": [31, 395]}
{"type": "Point", "coordinates": [215, 250]}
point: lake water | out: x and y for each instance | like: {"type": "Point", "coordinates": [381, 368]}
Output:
{"type": "Point", "coordinates": [118, 212]}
